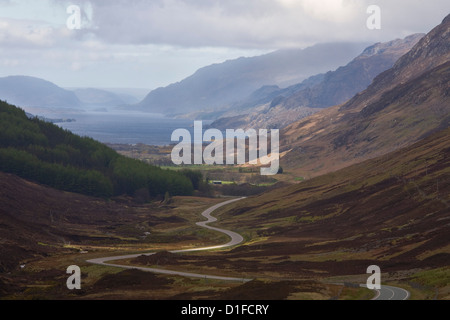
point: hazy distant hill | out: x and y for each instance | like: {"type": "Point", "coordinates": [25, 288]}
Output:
{"type": "Point", "coordinates": [278, 108]}
{"type": "Point", "coordinates": [39, 95]}
{"type": "Point", "coordinates": [34, 92]}
{"type": "Point", "coordinates": [99, 97]}
{"type": "Point", "coordinates": [221, 85]}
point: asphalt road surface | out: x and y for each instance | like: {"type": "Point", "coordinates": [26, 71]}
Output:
{"type": "Point", "coordinates": [390, 293]}
{"type": "Point", "coordinates": [385, 293]}
{"type": "Point", "coordinates": [235, 240]}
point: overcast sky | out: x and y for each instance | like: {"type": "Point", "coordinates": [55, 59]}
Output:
{"type": "Point", "coordinates": [152, 43]}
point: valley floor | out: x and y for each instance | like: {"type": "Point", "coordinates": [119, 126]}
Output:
{"type": "Point", "coordinates": [311, 240]}
{"type": "Point", "coordinates": [41, 273]}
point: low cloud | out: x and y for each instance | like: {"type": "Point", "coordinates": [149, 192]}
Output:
{"type": "Point", "coordinates": [157, 42]}
{"type": "Point", "coordinates": [256, 24]}
{"type": "Point", "coordinates": [253, 23]}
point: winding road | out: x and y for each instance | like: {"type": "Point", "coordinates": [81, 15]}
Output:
{"type": "Point", "coordinates": [391, 293]}
{"type": "Point", "coordinates": [385, 293]}
{"type": "Point", "coordinates": [235, 240]}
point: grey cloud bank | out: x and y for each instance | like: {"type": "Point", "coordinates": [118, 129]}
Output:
{"type": "Point", "coordinates": [141, 43]}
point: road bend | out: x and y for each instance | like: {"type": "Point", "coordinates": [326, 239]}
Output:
{"type": "Point", "coordinates": [390, 293]}
{"type": "Point", "coordinates": [235, 240]}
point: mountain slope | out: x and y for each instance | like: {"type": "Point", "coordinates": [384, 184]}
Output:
{"type": "Point", "coordinates": [431, 51]}
{"type": "Point", "coordinates": [402, 105]}
{"type": "Point", "coordinates": [392, 209]}
{"type": "Point", "coordinates": [30, 92]}
{"type": "Point", "coordinates": [283, 106]}
{"type": "Point", "coordinates": [220, 85]}
{"type": "Point", "coordinates": [43, 152]}
{"type": "Point", "coordinates": [342, 84]}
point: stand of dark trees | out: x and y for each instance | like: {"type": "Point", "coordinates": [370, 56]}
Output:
{"type": "Point", "coordinates": [43, 152]}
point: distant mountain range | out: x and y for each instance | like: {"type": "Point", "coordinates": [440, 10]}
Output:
{"type": "Point", "coordinates": [249, 86]}
{"type": "Point", "coordinates": [222, 85]}
{"type": "Point", "coordinates": [241, 93]}
{"type": "Point", "coordinates": [37, 95]}
{"type": "Point", "coordinates": [272, 107]}
{"type": "Point", "coordinates": [213, 87]}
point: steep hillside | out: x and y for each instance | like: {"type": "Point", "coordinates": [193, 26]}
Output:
{"type": "Point", "coordinates": [42, 152]}
{"type": "Point", "coordinates": [342, 84]}
{"type": "Point", "coordinates": [221, 85]}
{"type": "Point", "coordinates": [392, 211]}
{"type": "Point", "coordinates": [402, 105]}
{"type": "Point", "coordinates": [36, 220]}
{"type": "Point", "coordinates": [279, 108]}
{"type": "Point", "coordinates": [431, 51]}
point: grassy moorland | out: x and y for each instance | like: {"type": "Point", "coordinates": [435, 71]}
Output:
{"type": "Point", "coordinates": [391, 211]}
{"type": "Point", "coordinates": [45, 230]}
{"type": "Point", "coordinates": [301, 240]}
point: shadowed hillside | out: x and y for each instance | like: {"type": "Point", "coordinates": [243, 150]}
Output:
{"type": "Point", "coordinates": [392, 211]}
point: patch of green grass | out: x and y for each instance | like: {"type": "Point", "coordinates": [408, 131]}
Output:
{"type": "Point", "coordinates": [228, 182]}
{"type": "Point", "coordinates": [436, 278]}
{"type": "Point", "coordinates": [356, 294]}
{"type": "Point", "coordinates": [267, 184]}
{"type": "Point", "coordinates": [91, 273]}
{"type": "Point", "coordinates": [47, 245]}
